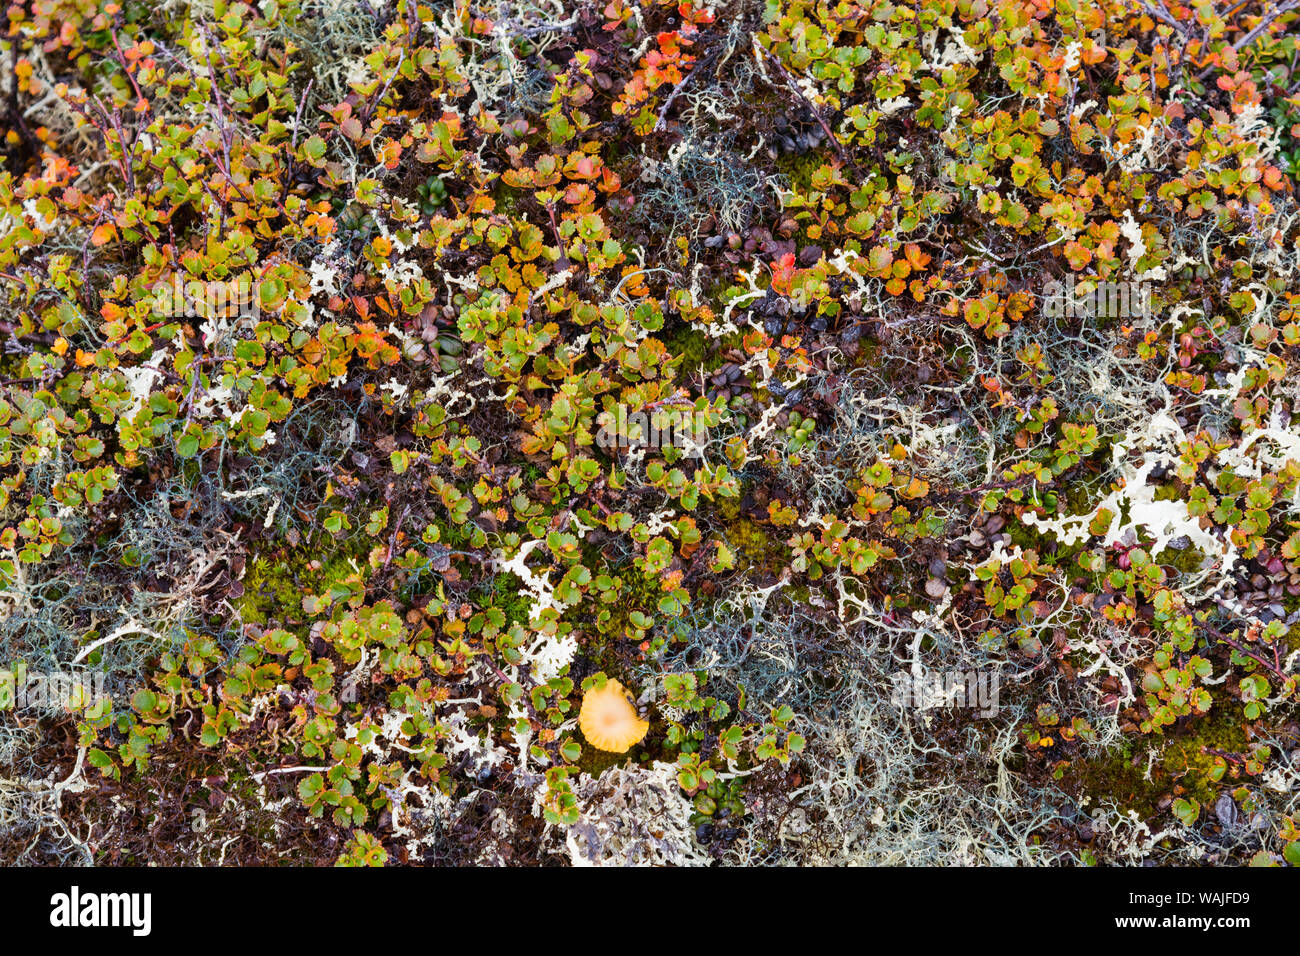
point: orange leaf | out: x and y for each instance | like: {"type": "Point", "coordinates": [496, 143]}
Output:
{"type": "Point", "coordinates": [915, 257]}
{"type": "Point", "coordinates": [782, 272]}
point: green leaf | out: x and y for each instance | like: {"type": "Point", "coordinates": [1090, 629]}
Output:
{"type": "Point", "coordinates": [1187, 811]}
{"type": "Point", "coordinates": [313, 149]}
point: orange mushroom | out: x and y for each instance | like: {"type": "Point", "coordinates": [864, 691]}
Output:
{"type": "Point", "coordinates": [608, 719]}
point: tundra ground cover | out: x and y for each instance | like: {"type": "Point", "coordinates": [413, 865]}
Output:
{"type": "Point", "coordinates": [384, 381]}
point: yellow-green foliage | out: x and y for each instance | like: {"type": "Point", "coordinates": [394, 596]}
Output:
{"type": "Point", "coordinates": [719, 347]}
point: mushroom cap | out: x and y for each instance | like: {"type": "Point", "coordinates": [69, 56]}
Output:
{"type": "Point", "coordinates": [608, 719]}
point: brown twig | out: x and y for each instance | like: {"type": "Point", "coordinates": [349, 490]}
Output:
{"type": "Point", "coordinates": [817, 113]}
{"type": "Point", "coordinates": [700, 64]}
{"type": "Point", "coordinates": [1273, 668]}
{"type": "Point", "coordinates": [1250, 37]}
